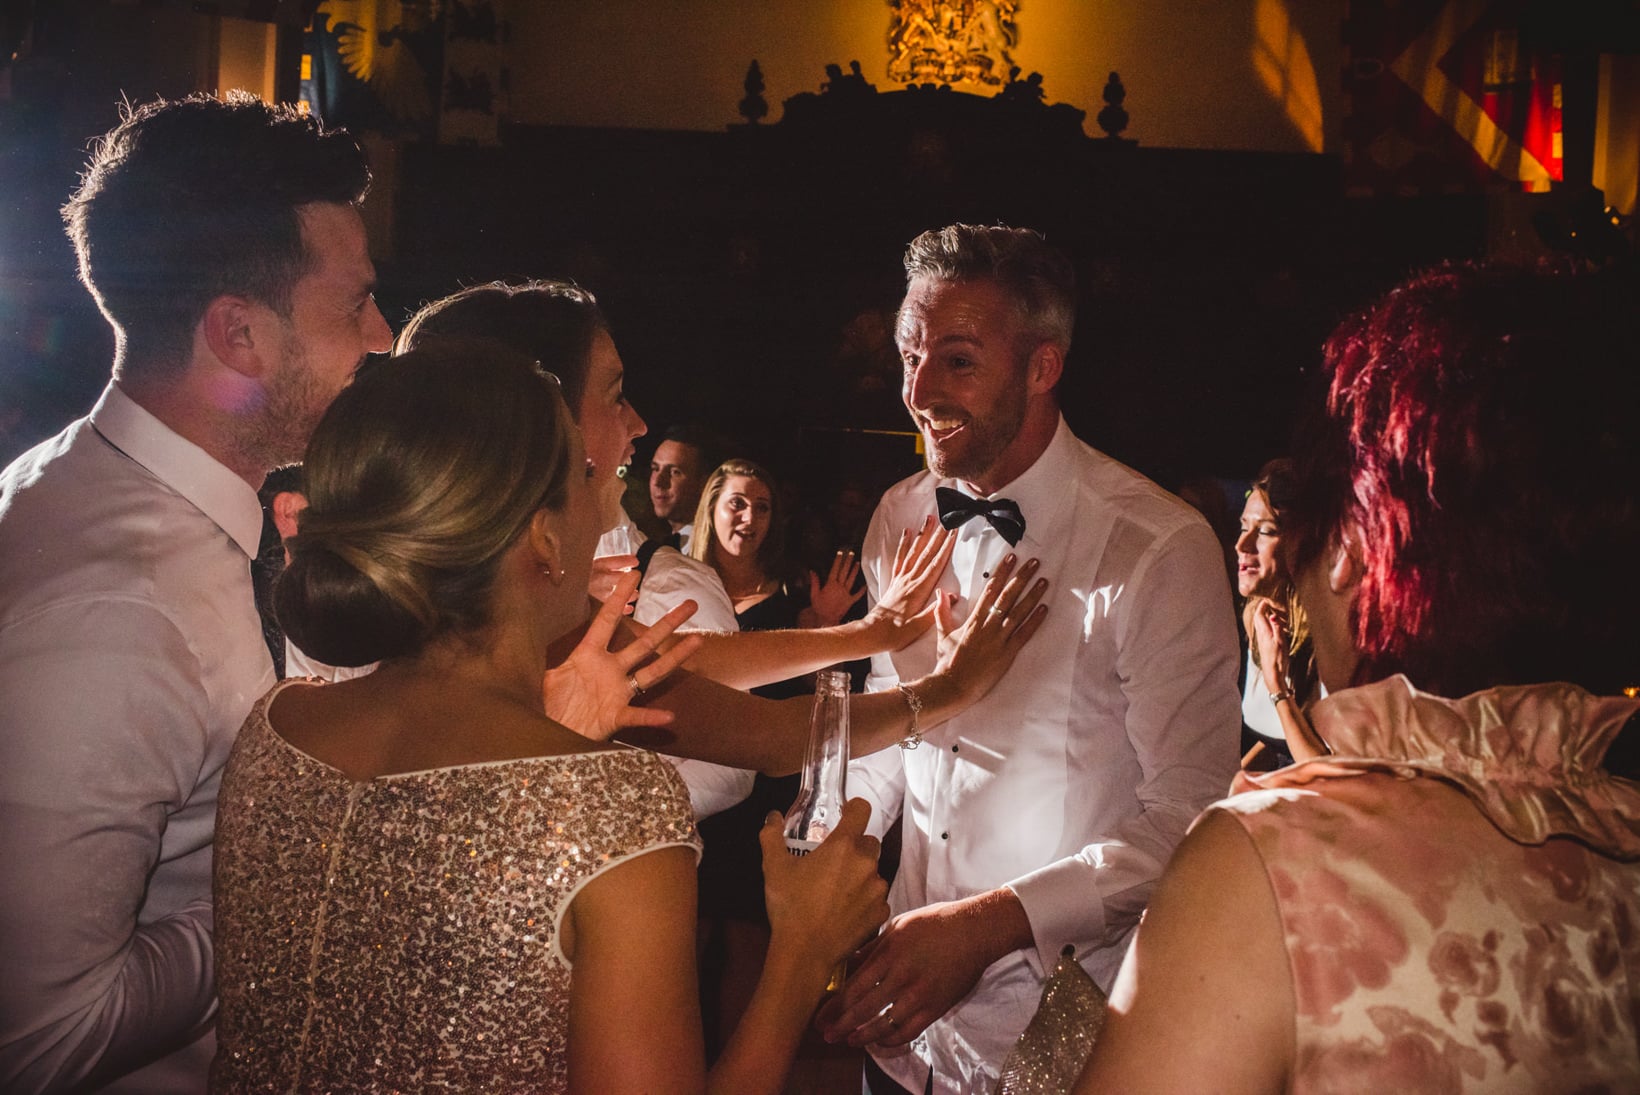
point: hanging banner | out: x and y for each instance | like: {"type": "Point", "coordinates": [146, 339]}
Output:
{"type": "Point", "coordinates": [1447, 96]}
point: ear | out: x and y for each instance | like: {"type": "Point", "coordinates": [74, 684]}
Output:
{"type": "Point", "coordinates": [232, 331]}
{"type": "Point", "coordinates": [544, 547]}
{"type": "Point", "coordinates": [1045, 367]}
{"type": "Point", "coordinates": [287, 507]}
{"type": "Point", "coordinates": [1344, 559]}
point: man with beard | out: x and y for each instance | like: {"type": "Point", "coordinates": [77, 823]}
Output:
{"type": "Point", "coordinates": [222, 242]}
{"type": "Point", "coordinates": [1040, 818]}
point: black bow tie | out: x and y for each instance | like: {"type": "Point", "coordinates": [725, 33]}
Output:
{"type": "Point", "coordinates": [1003, 513]}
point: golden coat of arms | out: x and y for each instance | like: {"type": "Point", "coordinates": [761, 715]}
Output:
{"type": "Point", "coordinates": [951, 41]}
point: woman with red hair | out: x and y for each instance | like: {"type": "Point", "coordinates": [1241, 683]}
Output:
{"type": "Point", "coordinates": [1450, 901]}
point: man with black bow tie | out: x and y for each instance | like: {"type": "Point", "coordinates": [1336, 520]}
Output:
{"type": "Point", "coordinates": [1042, 817]}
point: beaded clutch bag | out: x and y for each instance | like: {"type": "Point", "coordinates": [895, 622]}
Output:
{"type": "Point", "coordinates": [1049, 1056]}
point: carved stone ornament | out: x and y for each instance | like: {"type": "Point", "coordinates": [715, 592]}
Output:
{"type": "Point", "coordinates": [952, 41]}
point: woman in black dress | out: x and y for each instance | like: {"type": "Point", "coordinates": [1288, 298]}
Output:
{"type": "Point", "coordinates": [738, 532]}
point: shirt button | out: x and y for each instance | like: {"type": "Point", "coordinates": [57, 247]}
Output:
{"type": "Point", "coordinates": [945, 836]}
{"type": "Point", "coordinates": [953, 749]}
{"type": "Point", "coordinates": [986, 574]}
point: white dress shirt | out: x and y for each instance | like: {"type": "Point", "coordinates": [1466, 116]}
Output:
{"type": "Point", "coordinates": [130, 653]}
{"type": "Point", "coordinates": [1073, 780]}
{"type": "Point", "coordinates": [670, 579]}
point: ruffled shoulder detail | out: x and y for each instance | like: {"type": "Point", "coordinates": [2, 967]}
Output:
{"type": "Point", "coordinates": [1527, 755]}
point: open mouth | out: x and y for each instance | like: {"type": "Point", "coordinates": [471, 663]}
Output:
{"type": "Point", "coordinates": [942, 427]}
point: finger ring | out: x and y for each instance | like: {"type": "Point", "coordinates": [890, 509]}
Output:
{"type": "Point", "coordinates": [636, 688]}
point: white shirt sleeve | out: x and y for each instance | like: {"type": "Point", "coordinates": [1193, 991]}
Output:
{"type": "Point", "coordinates": [671, 578]}
{"type": "Point", "coordinates": [1177, 665]}
{"type": "Point", "coordinates": [102, 735]}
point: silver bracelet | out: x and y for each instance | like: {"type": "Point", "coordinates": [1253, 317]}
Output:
{"type": "Point", "coordinates": [913, 701]}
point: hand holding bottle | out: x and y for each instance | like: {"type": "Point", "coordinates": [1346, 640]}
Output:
{"type": "Point", "coordinates": [824, 904]}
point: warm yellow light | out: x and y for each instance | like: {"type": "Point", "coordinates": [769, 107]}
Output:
{"type": "Point", "coordinates": [1282, 61]}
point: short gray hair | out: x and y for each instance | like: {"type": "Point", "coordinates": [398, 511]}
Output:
{"type": "Point", "coordinates": [1036, 276]}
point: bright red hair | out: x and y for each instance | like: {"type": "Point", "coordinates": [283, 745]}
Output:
{"type": "Point", "coordinates": [1479, 436]}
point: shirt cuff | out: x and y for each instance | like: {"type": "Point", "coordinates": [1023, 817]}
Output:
{"type": "Point", "coordinates": [1063, 906]}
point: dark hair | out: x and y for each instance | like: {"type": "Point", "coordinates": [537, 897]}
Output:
{"type": "Point", "coordinates": [708, 444]}
{"type": "Point", "coordinates": [188, 199]}
{"type": "Point", "coordinates": [1479, 433]}
{"type": "Point", "coordinates": [703, 544]}
{"type": "Point", "coordinates": [554, 322]}
{"type": "Point", "coordinates": [1037, 277]}
{"type": "Point", "coordinates": [419, 477]}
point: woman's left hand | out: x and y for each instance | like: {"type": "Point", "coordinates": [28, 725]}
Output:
{"type": "Point", "coordinates": [595, 690]}
{"type": "Point", "coordinates": [977, 652]}
{"type": "Point", "coordinates": [830, 601]}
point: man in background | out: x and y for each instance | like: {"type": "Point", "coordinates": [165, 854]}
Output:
{"type": "Point", "coordinates": [678, 471]}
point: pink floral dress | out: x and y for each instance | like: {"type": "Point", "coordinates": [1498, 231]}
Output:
{"type": "Point", "coordinates": [1460, 891]}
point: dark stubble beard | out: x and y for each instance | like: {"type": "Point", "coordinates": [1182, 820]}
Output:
{"type": "Point", "coordinates": [989, 435]}
{"type": "Point", "coordinates": [294, 402]}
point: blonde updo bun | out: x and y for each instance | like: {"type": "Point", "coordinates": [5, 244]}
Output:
{"type": "Point", "coordinates": [419, 477]}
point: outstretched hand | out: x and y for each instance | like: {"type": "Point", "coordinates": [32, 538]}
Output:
{"type": "Point", "coordinates": [906, 600]}
{"type": "Point", "coordinates": [829, 601]}
{"type": "Point", "coordinates": [595, 691]}
{"type": "Point", "coordinates": [977, 652]}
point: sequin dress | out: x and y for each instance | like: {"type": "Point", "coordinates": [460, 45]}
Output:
{"type": "Point", "coordinates": [401, 933]}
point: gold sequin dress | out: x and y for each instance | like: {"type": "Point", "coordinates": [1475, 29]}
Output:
{"type": "Point", "coordinates": [401, 933]}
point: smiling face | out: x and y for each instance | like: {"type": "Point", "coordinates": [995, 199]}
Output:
{"type": "Point", "coordinates": [608, 422]}
{"type": "Point", "coordinates": [1259, 570]}
{"type": "Point", "coordinates": [964, 380]}
{"type": "Point", "coordinates": [742, 515]}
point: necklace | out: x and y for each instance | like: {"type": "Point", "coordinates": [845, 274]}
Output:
{"type": "Point", "coordinates": [762, 586]}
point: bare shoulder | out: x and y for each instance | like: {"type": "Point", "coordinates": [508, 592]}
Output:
{"type": "Point", "coordinates": [1204, 1000]}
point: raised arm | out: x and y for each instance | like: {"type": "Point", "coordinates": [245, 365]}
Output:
{"type": "Point", "coordinates": [726, 726]}
{"type": "Point", "coordinates": [1269, 631]}
{"type": "Point", "coordinates": [904, 611]}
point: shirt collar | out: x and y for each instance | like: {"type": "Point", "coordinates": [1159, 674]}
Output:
{"type": "Point", "coordinates": [181, 465]}
{"type": "Point", "coordinates": [1039, 490]}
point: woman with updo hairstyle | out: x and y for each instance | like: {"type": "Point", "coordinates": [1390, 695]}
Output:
{"type": "Point", "coordinates": [422, 881]}
{"type": "Point", "coordinates": [406, 522]}
{"type": "Point", "coordinates": [1449, 901]}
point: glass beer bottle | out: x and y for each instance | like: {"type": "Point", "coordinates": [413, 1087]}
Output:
{"type": "Point", "coordinates": [820, 800]}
